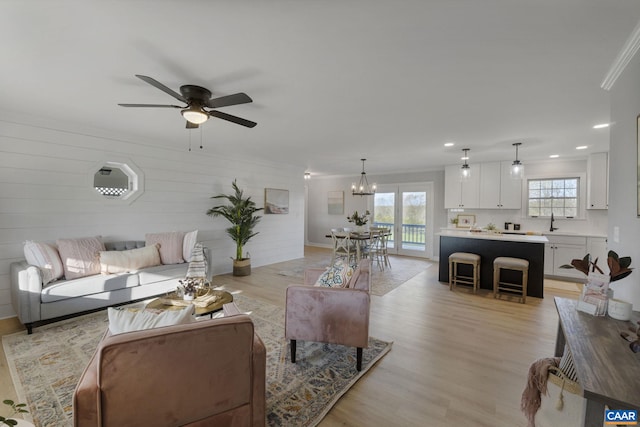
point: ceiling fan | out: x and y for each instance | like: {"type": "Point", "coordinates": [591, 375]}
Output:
{"type": "Point", "coordinates": [198, 99]}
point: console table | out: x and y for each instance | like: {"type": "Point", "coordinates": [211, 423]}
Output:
{"type": "Point", "coordinates": [607, 369]}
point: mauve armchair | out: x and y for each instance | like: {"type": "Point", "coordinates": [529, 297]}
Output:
{"type": "Point", "coordinates": [210, 372]}
{"type": "Point", "coordinates": [330, 315]}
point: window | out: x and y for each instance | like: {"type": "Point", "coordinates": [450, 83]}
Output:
{"type": "Point", "coordinates": [118, 179]}
{"type": "Point", "coordinates": [559, 196]}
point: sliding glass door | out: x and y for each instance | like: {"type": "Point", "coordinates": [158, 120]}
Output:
{"type": "Point", "coordinates": [408, 211]}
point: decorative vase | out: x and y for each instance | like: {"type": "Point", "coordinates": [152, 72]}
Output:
{"type": "Point", "coordinates": [188, 297]}
{"type": "Point", "coordinates": [620, 310]}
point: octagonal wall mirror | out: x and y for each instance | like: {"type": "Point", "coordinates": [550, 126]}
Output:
{"type": "Point", "coordinates": [117, 180]}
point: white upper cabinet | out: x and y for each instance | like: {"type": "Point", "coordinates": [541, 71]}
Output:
{"type": "Point", "coordinates": [598, 181]}
{"type": "Point", "coordinates": [461, 194]}
{"type": "Point", "coordinates": [497, 189]}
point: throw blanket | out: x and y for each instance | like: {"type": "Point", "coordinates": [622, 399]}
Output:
{"type": "Point", "coordinates": [536, 386]}
{"type": "Point", "coordinates": [198, 264]}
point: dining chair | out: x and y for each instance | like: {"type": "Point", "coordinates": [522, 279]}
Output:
{"type": "Point", "coordinates": [381, 252]}
{"type": "Point", "coordinates": [371, 245]}
{"type": "Point", "coordinates": [343, 246]}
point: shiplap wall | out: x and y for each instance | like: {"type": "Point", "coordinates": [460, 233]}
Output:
{"type": "Point", "coordinates": [46, 194]}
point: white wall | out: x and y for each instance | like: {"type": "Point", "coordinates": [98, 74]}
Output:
{"type": "Point", "coordinates": [623, 177]}
{"type": "Point", "coordinates": [45, 194]}
{"type": "Point", "coordinates": [319, 222]}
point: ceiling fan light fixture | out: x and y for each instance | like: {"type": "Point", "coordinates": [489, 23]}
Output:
{"type": "Point", "coordinates": [195, 115]}
{"type": "Point", "coordinates": [196, 98]}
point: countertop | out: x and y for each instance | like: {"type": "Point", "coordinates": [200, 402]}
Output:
{"type": "Point", "coordinates": [527, 238]}
{"type": "Point", "coordinates": [536, 233]}
{"type": "Point", "coordinates": [569, 233]}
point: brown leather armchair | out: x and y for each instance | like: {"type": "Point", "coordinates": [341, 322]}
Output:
{"type": "Point", "coordinates": [210, 372]}
{"type": "Point", "coordinates": [331, 315]}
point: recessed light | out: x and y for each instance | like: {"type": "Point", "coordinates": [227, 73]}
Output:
{"type": "Point", "coordinates": [581, 147]}
{"type": "Point", "coordinates": [448, 144]}
{"type": "Point", "coordinates": [601, 125]}
{"type": "Point", "coordinates": [554, 156]}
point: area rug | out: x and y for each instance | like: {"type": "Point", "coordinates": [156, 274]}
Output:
{"type": "Point", "coordinates": [45, 367]}
{"type": "Point", "coordinates": [382, 282]}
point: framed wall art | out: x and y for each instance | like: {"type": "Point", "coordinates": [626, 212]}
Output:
{"type": "Point", "coordinates": [465, 221]}
{"type": "Point", "coordinates": [276, 201]}
{"type": "Point", "coordinates": [335, 202]}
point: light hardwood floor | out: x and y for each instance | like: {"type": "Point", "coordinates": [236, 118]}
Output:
{"type": "Point", "coordinates": [458, 359]}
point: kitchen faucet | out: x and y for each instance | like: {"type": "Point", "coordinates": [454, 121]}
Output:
{"type": "Point", "coordinates": [551, 227]}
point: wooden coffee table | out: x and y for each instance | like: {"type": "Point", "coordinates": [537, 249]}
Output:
{"type": "Point", "coordinates": [160, 303]}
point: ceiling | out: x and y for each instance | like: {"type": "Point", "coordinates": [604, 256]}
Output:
{"type": "Point", "coordinates": [332, 81]}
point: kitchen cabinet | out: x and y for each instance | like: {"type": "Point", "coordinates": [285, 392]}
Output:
{"type": "Point", "coordinates": [598, 181]}
{"type": "Point", "coordinates": [461, 194]}
{"type": "Point", "coordinates": [597, 248]}
{"type": "Point", "coordinates": [497, 189]}
{"type": "Point", "coordinates": [560, 251]}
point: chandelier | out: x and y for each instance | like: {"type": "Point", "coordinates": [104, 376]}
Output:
{"type": "Point", "coordinates": [363, 188]}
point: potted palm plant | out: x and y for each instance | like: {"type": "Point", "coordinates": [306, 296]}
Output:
{"type": "Point", "coordinates": [240, 212]}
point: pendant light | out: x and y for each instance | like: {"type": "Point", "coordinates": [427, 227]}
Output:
{"type": "Point", "coordinates": [363, 188]}
{"type": "Point", "coordinates": [517, 168]}
{"type": "Point", "coordinates": [465, 170]}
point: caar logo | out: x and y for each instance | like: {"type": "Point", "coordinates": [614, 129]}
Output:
{"type": "Point", "coordinates": [623, 417]}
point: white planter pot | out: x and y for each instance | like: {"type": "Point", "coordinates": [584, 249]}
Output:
{"type": "Point", "coordinates": [188, 297]}
{"type": "Point", "coordinates": [620, 310]}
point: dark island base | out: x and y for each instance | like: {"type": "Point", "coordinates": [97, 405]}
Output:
{"type": "Point", "coordinates": [490, 250]}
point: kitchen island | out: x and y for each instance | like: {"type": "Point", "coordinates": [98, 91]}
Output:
{"type": "Point", "coordinates": [490, 246]}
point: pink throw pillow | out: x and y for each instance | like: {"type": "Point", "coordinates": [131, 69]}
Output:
{"type": "Point", "coordinates": [80, 257]}
{"type": "Point", "coordinates": [170, 246]}
{"type": "Point", "coordinates": [46, 258]}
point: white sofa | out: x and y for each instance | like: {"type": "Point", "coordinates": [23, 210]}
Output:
{"type": "Point", "coordinates": [35, 303]}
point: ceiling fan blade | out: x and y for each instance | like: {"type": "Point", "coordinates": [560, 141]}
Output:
{"type": "Point", "coordinates": [191, 125]}
{"type": "Point", "coordinates": [230, 118]}
{"type": "Point", "coordinates": [224, 101]}
{"type": "Point", "coordinates": [157, 84]}
{"type": "Point", "coordinates": [150, 105]}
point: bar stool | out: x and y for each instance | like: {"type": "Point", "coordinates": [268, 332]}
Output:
{"type": "Point", "coordinates": [464, 258]}
{"type": "Point", "coordinates": [516, 264]}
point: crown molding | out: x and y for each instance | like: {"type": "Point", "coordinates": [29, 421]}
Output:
{"type": "Point", "coordinates": [622, 60]}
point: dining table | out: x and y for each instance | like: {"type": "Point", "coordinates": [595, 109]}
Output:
{"type": "Point", "coordinates": [360, 237]}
